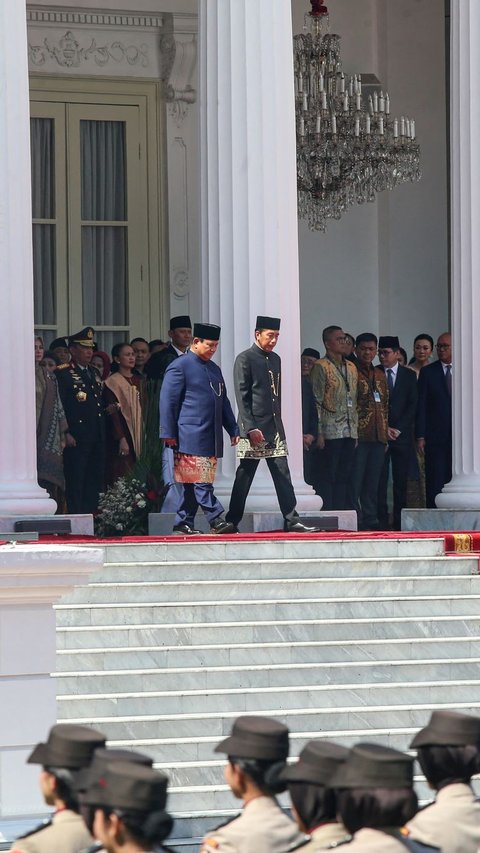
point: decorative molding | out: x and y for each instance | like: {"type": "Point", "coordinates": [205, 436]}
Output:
{"type": "Point", "coordinates": [68, 53]}
{"type": "Point", "coordinates": [78, 17]}
{"type": "Point", "coordinates": [181, 283]}
{"type": "Point", "coordinates": [180, 92]}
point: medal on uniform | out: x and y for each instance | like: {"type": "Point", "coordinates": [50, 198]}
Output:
{"type": "Point", "coordinates": [81, 396]}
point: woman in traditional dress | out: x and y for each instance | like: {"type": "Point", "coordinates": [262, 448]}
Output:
{"type": "Point", "coordinates": [123, 393]}
{"type": "Point", "coordinates": [52, 430]}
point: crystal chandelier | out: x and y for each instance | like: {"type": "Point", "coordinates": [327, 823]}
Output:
{"type": "Point", "coordinates": [348, 146]}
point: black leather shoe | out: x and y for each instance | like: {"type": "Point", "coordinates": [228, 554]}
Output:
{"type": "Point", "coordinates": [221, 527]}
{"type": "Point", "coordinates": [186, 530]}
{"type": "Point", "coordinates": [294, 525]}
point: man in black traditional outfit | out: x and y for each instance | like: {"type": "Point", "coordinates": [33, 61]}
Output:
{"type": "Point", "coordinates": [262, 435]}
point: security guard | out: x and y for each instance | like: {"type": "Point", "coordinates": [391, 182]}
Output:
{"type": "Point", "coordinates": [81, 395]}
{"type": "Point", "coordinates": [129, 806]}
{"type": "Point", "coordinates": [314, 802]}
{"type": "Point", "coordinates": [68, 749]}
{"type": "Point", "coordinates": [448, 753]}
{"type": "Point", "coordinates": [257, 751]}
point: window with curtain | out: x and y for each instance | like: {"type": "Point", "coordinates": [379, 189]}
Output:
{"type": "Point", "coordinates": [44, 225]}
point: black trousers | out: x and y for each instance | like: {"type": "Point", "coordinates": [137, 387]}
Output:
{"type": "Point", "coordinates": [84, 468]}
{"type": "Point", "coordinates": [278, 467]}
{"type": "Point", "coordinates": [399, 456]}
{"type": "Point", "coordinates": [438, 470]}
{"type": "Point", "coordinates": [335, 475]}
{"type": "Point", "coordinates": [367, 468]}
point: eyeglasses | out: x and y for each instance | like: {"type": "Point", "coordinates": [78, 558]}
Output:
{"type": "Point", "coordinates": [443, 346]}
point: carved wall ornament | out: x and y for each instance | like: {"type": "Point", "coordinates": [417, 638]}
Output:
{"type": "Point", "coordinates": [69, 53]}
{"type": "Point", "coordinates": [181, 284]}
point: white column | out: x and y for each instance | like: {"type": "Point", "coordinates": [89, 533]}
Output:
{"type": "Point", "coordinates": [249, 208]}
{"type": "Point", "coordinates": [463, 492]}
{"type": "Point", "coordinates": [19, 491]}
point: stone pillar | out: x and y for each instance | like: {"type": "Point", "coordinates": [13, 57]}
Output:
{"type": "Point", "coordinates": [463, 492]}
{"type": "Point", "coordinates": [19, 491]}
{"type": "Point", "coordinates": [248, 202]}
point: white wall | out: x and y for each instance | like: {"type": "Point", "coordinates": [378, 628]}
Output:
{"type": "Point", "coordinates": [383, 266]}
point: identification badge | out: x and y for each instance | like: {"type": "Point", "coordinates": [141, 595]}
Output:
{"type": "Point", "coordinates": [349, 401]}
{"type": "Point", "coordinates": [376, 396]}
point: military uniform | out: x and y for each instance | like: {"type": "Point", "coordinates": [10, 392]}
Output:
{"type": "Point", "coordinates": [84, 464]}
{"type": "Point", "coordinates": [65, 833]}
{"type": "Point", "coordinates": [262, 826]}
{"type": "Point", "coordinates": [387, 840]}
{"type": "Point", "coordinates": [327, 837]}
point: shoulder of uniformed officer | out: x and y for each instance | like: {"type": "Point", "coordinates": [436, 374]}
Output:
{"type": "Point", "coordinates": [62, 367]}
{"type": "Point", "coordinates": [39, 828]}
{"type": "Point", "coordinates": [299, 844]}
{"type": "Point", "coordinates": [94, 848]}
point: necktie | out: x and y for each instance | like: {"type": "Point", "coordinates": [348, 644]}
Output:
{"type": "Point", "coordinates": [448, 377]}
{"type": "Point", "coordinates": [390, 379]}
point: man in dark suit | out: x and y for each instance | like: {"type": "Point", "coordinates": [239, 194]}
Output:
{"type": "Point", "coordinates": [180, 334]}
{"type": "Point", "coordinates": [402, 404]}
{"type": "Point", "coordinates": [433, 425]}
{"type": "Point", "coordinates": [81, 395]}
{"type": "Point", "coordinates": [194, 409]}
{"type": "Point", "coordinates": [309, 419]}
{"type": "Point", "coordinates": [258, 392]}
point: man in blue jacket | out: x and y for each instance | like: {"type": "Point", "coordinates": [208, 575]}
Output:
{"type": "Point", "coordinates": [194, 409]}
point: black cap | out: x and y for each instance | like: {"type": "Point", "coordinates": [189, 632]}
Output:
{"type": "Point", "coordinates": [59, 342]}
{"type": "Point", "coordinates": [100, 761]}
{"type": "Point", "coordinates": [67, 746]}
{"type": "Point", "coordinates": [257, 738]}
{"type": "Point", "coordinates": [85, 337]}
{"type": "Point", "coordinates": [370, 765]}
{"type": "Point", "coordinates": [388, 342]}
{"type": "Point", "coordinates": [272, 323]}
{"type": "Point", "coordinates": [181, 322]}
{"type": "Point", "coordinates": [449, 728]}
{"type": "Point", "coordinates": [207, 331]}
{"type": "Point", "coordinates": [313, 353]}
{"type": "Point", "coordinates": [317, 763]}
{"type": "Point", "coordinates": [124, 785]}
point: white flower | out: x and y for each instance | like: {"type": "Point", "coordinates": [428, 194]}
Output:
{"type": "Point", "coordinates": [141, 504]}
{"type": "Point", "coordinates": [119, 527]}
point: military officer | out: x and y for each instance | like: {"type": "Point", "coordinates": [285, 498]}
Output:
{"type": "Point", "coordinates": [257, 751]}
{"type": "Point", "coordinates": [68, 749]}
{"type": "Point", "coordinates": [258, 392]}
{"type": "Point", "coordinates": [81, 395]}
{"type": "Point", "coordinates": [448, 753]}
{"type": "Point", "coordinates": [129, 803]}
{"type": "Point", "coordinates": [314, 802]}
{"type": "Point", "coordinates": [194, 408]}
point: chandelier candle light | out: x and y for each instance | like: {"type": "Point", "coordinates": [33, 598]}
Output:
{"type": "Point", "coordinates": [348, 148]}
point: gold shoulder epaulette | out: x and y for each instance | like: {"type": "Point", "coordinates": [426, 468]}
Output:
{"type": "Point", "coordinates": [62, 366]}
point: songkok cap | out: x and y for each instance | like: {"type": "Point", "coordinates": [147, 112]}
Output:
{"type": "Point", "coordinates": [314, 353]}
{"type": "Point", "coordinates": [272, 323]}
{"type": "Point", "coordinates": [258, 738]}
{"type": "Point", "coordinates": [84, 338]}
{"type": "Point", "coordinates": [207, 331]}
{"type": "Point", "coordinates": [317, 763]}
{"type": "Point", "coordinates": [102, 758]}
{"type": "Point", "coordinates": [67, 746]}
{"type": "Point", "coordinates": [59, 342]}
{"type": "Point", "coordinates": [371, 765]}
{"type": "Point", "coordinates": [449, 728]}
{"type": "Point", "coordinates": [124, 785]}
{"type": "Point", "coordinates": [388, 342]}
{"type": "Point", "coordinates": [181, 322]}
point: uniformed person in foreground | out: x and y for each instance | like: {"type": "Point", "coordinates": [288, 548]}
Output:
{"type": "Point", "coordinates": [68, 749]}
{"type": "Point", "coordinates": [448, 753]}
{"type": "Point", "coordinates": [314, 802]}
{"type": "Point", "coordinates": [129, 803]}
{"type": "Point", "coordinates": [375, 799]}
{"type": "Point", "coordinates": [257, 751]}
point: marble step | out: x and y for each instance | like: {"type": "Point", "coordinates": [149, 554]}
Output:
{"type": "Point", "coordinates": [287, 630]}
{"type": "Point", "coordinates": [128, 659]}
{"type": "Point", "coordinates": [285, 675]}
{"type": "Point", "coordinates": [285, 568]}
{"type": "Point", "coordinates": [272, 589]}
{"type": "Point", "coordinates": [263, 609]}
{"type": "Point", "coordinates": [174, 550]}
{"type": "Point", "coordinates": [177, 712]}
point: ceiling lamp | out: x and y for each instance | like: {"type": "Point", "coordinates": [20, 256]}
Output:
{"type": "Point", "coordinates": [348, 146]}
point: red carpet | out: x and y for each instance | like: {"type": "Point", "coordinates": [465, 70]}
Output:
{"type": "Point", "coordinates": [455, 543]}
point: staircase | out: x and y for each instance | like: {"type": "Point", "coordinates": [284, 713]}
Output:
{"type": "Point", "coordinates": [340, 639]}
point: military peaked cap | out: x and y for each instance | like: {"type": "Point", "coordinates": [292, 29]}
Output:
{"type": "Point", "coordinates": [180, 322]}
{"type": "Point", "coordinates": [449, 728]}
{"type": "Point", "coordinates": [258, 738]}
{"type": "Point", "coordinates": [207, 331]}
{"type": "Point", "coordinates": [317, 763]}
{"type": "Point", "coordinates": [67, 746]}
{"type": "Point", "coordinates": [85, 338]}
{"type": "Point", "coordinates": [272, 323]}
{"type": "Point", "coordinates": [370, 765]}
{"type": "Point", "coordinates": [124, 785]}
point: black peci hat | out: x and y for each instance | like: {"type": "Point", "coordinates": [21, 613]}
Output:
{"type": "Point", "coordinates": [128, 786]}
{"type": "Point", "coordinates": [102, 758]}
{"type": "Point", "coordinates": [84, 338]}
{"type": "Point", "coordinates": [59, 342]}
{"type": "Point", "coordinates": [272, 323]}
{"type": "Point", "coordinates": [370, 765]}
{"type": "Point", "coordinates": [257, 738]}
{"type": "Point", "coordinates": [388, 342]}
{"type": "Point", "coordinates": [449, 728]}
{"type": "Point", "coordinates": [313, 353]}
{"type": "Point", "coordinates": [206, 331]}
{"type": "Point", "coordinates": [68, 746]}
{"type": "Point", "coordinates": [181, 322]}
{"type": "Point", "coordinates": [317, 763]}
